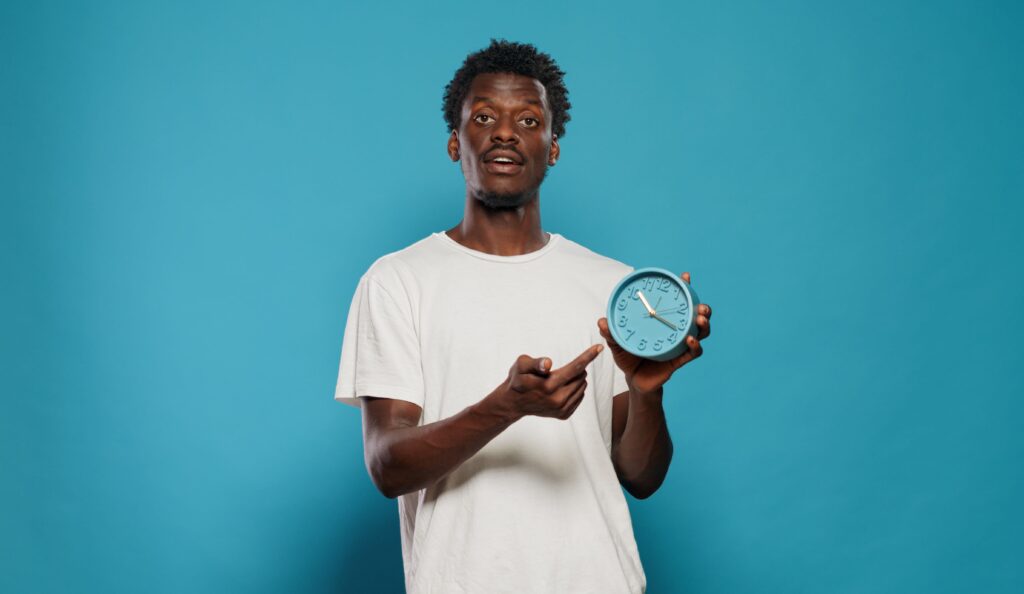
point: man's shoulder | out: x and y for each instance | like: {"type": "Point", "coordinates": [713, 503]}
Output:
{"type": "Point", "coordinates": [593, 261]}
{"type": "Point", "coordinates": [398, 268]}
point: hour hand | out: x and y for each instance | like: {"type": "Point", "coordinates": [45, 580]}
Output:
{"type": "Point", "coordinates": [650, 309]}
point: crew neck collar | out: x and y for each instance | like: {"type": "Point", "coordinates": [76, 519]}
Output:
{"type": "Point", "coordinates": [553, 240]}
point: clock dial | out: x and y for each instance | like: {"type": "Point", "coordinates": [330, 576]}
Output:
{"type": "Point", "coordinates": [650, 313]}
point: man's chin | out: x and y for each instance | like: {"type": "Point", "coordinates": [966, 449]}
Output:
{"type": "Point", "coordinates": [505, 200]}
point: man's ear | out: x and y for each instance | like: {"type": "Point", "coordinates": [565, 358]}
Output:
{"type": "Point", "coordinates": [453, 146]}
{"type": "Point", "coordinates": [555, 151]}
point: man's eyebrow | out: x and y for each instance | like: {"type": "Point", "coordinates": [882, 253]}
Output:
{"type": "Point", "coordinates": [479, 98]}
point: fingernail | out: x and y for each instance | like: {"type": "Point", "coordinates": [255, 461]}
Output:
{"type": "Point", "coordinates": [600, 348]}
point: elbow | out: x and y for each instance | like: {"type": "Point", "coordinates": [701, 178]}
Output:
{"type": "Point", "coordinates": [637, 487]}
{"type": "Point", "coordinates": [392, 481]}
{"type": "Point", "coordinates": [386, 484]}
{"type": "Point", "coordinates": [383, 486]}
{"type": "Point", "coordinates": [390, 473]}
{"type": "Point", "coordinates": [380, 474]}
{"type": "Point", "coordinates": [640, 492]}
{"type": "Point", "coordinates": [643, 484]}
{"type": "Point", "coordinates": [643, 489]}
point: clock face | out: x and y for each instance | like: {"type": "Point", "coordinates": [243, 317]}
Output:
{"type": "Point", "coordinates": [660, 336]}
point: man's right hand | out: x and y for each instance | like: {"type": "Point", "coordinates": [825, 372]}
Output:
{"type": "Point", "coordinates": [534, 389]}
{"type": "Point", "coordinates": [403, 456]}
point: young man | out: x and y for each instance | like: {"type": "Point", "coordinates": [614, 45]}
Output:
{"type": "Point", "coordinates": [488, 407]}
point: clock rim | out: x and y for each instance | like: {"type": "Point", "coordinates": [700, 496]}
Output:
{"type": "Point", "coordinates": [691, 330]}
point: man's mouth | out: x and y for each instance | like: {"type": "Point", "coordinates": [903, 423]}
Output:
{"type": "Point", "coordinates": [504, 155]}
{"type": "Point", "coordinates": [503, 166]}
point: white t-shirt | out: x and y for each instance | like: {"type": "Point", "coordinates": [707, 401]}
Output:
{"type": "Point", "coordinates": [539, 508]}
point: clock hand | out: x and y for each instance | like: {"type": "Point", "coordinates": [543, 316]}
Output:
{"type": "Point", "coordinates": [664, 321]}
{"type": "Point", "coordinates": [658, 303]}
{"type": "Point", "coordinates": [650, 310]}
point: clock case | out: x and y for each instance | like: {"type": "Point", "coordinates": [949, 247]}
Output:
{"type": "Point", "coordinates": [677, 349]}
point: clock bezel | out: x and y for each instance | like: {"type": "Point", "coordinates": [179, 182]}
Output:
{"type": "Point", "coordinates": [688, 293]}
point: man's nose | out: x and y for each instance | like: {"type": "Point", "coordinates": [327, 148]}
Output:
{"type": "Point", "coordinates": [504, 131]}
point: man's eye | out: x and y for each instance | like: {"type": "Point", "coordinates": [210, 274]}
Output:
{"type": "Point", "coordinates": [483, 115]}
{"type": "Point", "coordinates": [529, 120]}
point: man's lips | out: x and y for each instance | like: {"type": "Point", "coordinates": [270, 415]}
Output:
{"type": "Point", "coordinates": [511, 155]}
{"type": "Point", "coordinates": [502, 168]}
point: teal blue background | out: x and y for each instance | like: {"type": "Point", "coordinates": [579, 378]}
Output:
{"type": "Point", "coordinates": [191, 191]}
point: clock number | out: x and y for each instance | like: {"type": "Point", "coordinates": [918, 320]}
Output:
{"type": "Point", "coordinates": [622, 303]}
{"type": "Point", "coordinates": [677, 293]}
{"type": "Point", "coordinates": [671, 338]}
{"type": "Point", "coordinates": [682, 308]}
{"type": "Point", "coordinates": [665, 285]}
{"type": "Point", "coordinates": [657, 345]}
{"type": "Point", "coordinates": [632, 293]}
{"type": "Point", "coordinates": [643, 344]}
{"type": "Point", "coordinates": [622, 321]}
{"type": "Point", "coordinates": [631, 332]}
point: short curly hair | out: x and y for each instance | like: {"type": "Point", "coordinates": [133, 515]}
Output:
{"type": "Point", "coordinates": [514, 58]}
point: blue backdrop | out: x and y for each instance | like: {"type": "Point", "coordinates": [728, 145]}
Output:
{"type": "Point", "coordinates": [191, 191]}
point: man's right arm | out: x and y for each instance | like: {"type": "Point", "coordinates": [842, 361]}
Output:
{"type": "Point", "coordinates": [402, 457]}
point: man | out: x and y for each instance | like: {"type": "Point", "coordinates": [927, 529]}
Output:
{"type": "Point", "coordinates": [507, 468]}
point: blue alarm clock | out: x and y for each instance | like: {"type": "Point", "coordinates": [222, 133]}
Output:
{"type": "Point", "coordinates": [651, 312]}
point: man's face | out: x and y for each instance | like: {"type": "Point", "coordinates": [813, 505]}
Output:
{"type": "Point", "coordinates": [504, 140]}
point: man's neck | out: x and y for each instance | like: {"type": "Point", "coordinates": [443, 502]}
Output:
{"type": "Point", "coordinates": [502, 232]}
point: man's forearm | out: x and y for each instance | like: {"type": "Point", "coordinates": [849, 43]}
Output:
{"type": "Point", "coordinates": [412, 458]}
{"type": "Point", "coordinates": [643, 453]}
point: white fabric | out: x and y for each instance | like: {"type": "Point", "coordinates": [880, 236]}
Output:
{"type": "Point", "coordinates": [539, 508]}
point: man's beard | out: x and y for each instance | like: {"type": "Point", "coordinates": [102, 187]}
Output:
{"type": "Point", "coordinates": [502, 201]}
{"type": "Point", "coordinates": [509, 201]}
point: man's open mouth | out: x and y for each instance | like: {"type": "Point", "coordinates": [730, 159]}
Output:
{"type": "Point", "coordinates": [503, 165]}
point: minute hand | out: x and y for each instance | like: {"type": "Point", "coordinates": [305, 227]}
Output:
{"type": "Point", "coordinates": [664, 321]}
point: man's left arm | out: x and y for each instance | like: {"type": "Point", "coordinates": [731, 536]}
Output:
{"type": "Point", "coordinates": [641, 445]}
{"type": "Point", "coordinates": [642, 449]}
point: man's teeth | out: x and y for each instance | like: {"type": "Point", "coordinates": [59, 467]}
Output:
{"type": "Point", "coordinates": [503, 160]}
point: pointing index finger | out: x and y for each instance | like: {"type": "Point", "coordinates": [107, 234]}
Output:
{"type": "Point", "coordinates": [574, 367]}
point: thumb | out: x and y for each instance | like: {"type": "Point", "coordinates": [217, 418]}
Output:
{"type": "Point", "coordinates": [602, 327]}
{"type": "Point", "coordinates": [542, 365]}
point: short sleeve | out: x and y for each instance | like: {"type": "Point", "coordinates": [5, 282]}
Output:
{"type": "Point", "coordinates": [380, 353]}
